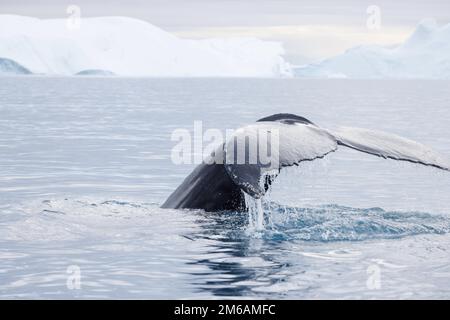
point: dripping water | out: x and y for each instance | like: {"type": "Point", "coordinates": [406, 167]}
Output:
{"type": "Point", "coordinates": [255, 213]}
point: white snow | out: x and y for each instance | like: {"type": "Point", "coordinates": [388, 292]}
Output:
{"type": "Point", "coordinates": [131, 47]}
{"type": "Point", "coordinates": [425, 54]}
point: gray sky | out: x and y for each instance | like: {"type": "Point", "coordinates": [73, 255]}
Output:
{"type": "Point", "coordinates": [310, 30]}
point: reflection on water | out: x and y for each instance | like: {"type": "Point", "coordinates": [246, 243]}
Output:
{"type": "Point", "coordinates": [254, 263]}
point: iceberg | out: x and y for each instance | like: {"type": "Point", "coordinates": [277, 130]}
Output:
{"type": "Point", "coordinates": [8, 66]}
{"type": "Point", "coordinates": [424, 55]}
{"type": "Point", "coordinates": [130, 47]}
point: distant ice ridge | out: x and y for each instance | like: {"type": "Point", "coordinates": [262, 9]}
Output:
{"type": "Point", "coordinates": [130, 47]}
{"type": "Point", "coordinates": [424, 55]}
{"type": "Point", "coordinates": [10, 66]}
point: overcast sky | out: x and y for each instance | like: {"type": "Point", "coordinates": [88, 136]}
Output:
{"type": "Point", "coordinates": [310, 30]}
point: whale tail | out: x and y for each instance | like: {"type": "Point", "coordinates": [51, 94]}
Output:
{"type": "Point", "coordinates": [301, 140]}
{"type": "Point", "coordinates": [293, 139]}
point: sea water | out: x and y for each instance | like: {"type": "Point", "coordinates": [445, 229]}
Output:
{"type": "Point", "coordinates": [86, 162]}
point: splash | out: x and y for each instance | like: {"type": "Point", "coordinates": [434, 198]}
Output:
{"type": "Point", "coordinates": [76, 219]}
{"type": "Point", "coordinates": [340, 223]}
{"type": "Point", "coordinates": [255, 213]}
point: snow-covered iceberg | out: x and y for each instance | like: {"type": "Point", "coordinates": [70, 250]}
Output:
{"type": "Point", "coordinates": [8, 66]}
{"type": "Point", "coordinates": [425, 54]}
{"type": "Point", "coordinates": [131, 47]}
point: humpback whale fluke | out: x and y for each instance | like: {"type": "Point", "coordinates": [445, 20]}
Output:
{"type": "Point", "coordinates": [219, 185]}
